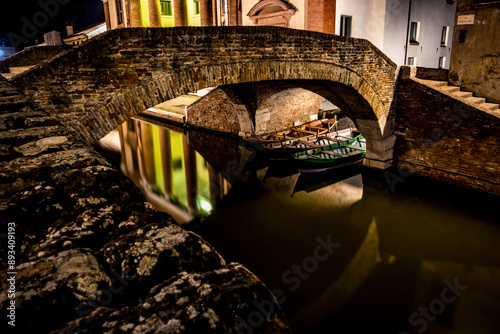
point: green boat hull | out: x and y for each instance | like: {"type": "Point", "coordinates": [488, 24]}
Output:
{"type": "Point", "coordinates": [335, 155]}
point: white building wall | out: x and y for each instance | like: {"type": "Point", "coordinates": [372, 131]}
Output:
{"type": "Point", "coordinates": [432, 15]}
{"type": "Point", "coordinates": [113, 14]}
{"type": "Point", "coordinates": [385, 22]}
{"type": "Point", "coordinates": [396, 23]}
{"type": "Point", "coordinates": [246, 6]}
{"type": "Point", "coordinates": [299, 20]}
{"type": "Point", "coordinates": [368, 19]}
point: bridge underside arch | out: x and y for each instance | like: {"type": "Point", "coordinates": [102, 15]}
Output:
{"type": "Point", "coordinates": [377, 129]}
{"type": "Point", "coordinates": [339, 84]}
{"type": "Point", "coordinates": [125, 103]}
{"type": "Point", "coordinates": [254, 108]}
{"type": "Point", "coordinates": [259, 107]}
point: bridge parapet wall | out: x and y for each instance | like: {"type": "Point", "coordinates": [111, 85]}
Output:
{"type": "Point", "coordinates": [31, 56]}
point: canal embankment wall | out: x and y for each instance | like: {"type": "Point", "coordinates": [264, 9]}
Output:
{"type": "Point", "coordinates": [443, 138]}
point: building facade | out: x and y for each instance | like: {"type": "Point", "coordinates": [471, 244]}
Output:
{"type": "Point", "coordinates": [315, 15]}
{"type": "Point", "coordinates": [84, 35]}
{"type": "Point", "coordinates": [475, 61]}
{"type": "Point", "coordinates": [410, 32]}
{"type": "Point", "coordinates": [171, 13]}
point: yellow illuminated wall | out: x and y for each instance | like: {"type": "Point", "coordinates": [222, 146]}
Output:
{"type": "Point", "coordinates": [160, 185]}
{"type": "Point", "coordinates": [145, 13]}
{"type": "Point", "coordinates": [193, 20]}
{"type": "Point", "coordinates": [178, 169]}
{"type": "Point", "coordinates": [202, 177]}
{"type": "Point", "coordinates": [168, 21]}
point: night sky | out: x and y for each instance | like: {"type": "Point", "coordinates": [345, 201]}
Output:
{"type": "Point", "coordinates": [15, 14]}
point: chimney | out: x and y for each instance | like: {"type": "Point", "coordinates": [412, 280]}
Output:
{"type": "Point", "coordinates": [52, 38]}
{"type": "Point", "coordinates": [69, 28]}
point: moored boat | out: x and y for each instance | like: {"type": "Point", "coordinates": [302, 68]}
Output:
{"type": "Point", "coordinates": [304, 132]}
{"type": "Point", "coordinates": [285, 150]}
{"type": "Point", "coordinates": [335, 155]}
{"type": "Point", "coordinates": [282, 144]}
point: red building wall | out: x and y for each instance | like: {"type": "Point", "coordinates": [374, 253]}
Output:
{"type": "Point", "coordinates": [321, 16]}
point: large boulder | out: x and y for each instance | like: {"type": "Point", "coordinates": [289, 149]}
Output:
{"type": "Point", "coordinates": [226, 300]}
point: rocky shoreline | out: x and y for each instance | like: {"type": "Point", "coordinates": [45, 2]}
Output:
{"type": "Point", "coordinates": [92, 256]}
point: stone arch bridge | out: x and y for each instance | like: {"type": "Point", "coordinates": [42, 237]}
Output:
{"type": "Point", "coordinates": [410, 123]}
{"type": "Point", "coordinates": [99, 85]}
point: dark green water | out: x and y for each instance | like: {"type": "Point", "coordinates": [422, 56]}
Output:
{"type": "Point", "coordinates": [342, 254]}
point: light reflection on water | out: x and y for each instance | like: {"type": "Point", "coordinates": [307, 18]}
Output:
{"type": "Point", "coordinates": [171, 174]}
{"type": "Point", "coordinates": [396, 250]}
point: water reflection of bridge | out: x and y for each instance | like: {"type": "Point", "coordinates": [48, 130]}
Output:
{"type": "Point", "coordinates": [170, 172]}
{"type": "Point", "coordinates": [186, 174]}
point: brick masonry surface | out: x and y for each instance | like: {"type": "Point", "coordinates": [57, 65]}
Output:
{"type": "Point", "coordinates": [445, 139]}
{"type": "Point", "coordinates": [254, 107]}
{"type": "Point", "coordinates": [438, 74]}
{"type": "Point", "coordinates": [218, 111]}
{"type": "Point", "coordinates": [30, 56]}
{"type": "Point", "coordinates": [475, 61]}
{"type": "Point", "coordinates": [120, 73]}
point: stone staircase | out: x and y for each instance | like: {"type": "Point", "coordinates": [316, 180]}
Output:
{"type": "Point", "coordinates": [466, 97]}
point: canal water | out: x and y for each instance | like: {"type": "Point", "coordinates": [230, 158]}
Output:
{"type": "Point", "coordinates": [341, 253]}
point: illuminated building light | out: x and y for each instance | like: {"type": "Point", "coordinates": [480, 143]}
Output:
{"type": "Point", "coordinates": [205, 205]}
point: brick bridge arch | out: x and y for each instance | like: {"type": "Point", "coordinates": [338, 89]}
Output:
{"type": "Point", "coordinates": [237, 108]}
{"type": "Point", "coordinates": [95, 87]}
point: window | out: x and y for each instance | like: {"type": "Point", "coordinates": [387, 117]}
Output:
{"type": "Point", "coordinates": [345, 25]}
{"type": "Point", "coordinates": [411, 61]}
{"type": "Point", "coordinates": [119, 11]}
{"type": "Point", "coordinates": [442, 61]}
{"type": "Point", "coordinates": [444, 36]}
{"type": "Point", "coordinates": [196, 7]}
{"type": "Point", "coordinates": [224, 13]}
{"type": "Point", "coordinates": [166, 7]}
{"type": "Point", "coordinates": [414, 33]}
